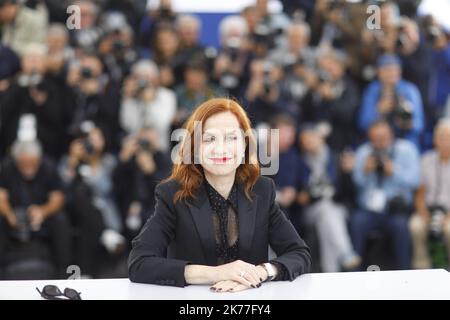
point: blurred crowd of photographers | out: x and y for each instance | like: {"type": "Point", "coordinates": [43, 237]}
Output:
{"type": "Point", "coordinates": [86, 116]}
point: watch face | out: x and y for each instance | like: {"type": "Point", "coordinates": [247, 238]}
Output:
{"type": "Point", "coordinates": [270, 270]}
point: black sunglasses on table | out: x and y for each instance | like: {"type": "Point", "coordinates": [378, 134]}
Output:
{"type": "Point", "coordinates": [51, 292]}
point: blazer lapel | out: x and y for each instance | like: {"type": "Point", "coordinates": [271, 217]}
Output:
{"type": "Point", "coordinates": [247, 218]}
{"type": "Point", "coordinates": [202, 216]}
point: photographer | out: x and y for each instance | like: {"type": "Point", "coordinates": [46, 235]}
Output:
{"type": "Point", "coordinates": [263, 91]}
{"type": "Point", "coordinates": [159, 13]}
{"type": "Point", "coordinates": [432, 201]}
{"type": "Point", "coordinates": [31, 203]}
{"type": "Point", "coordinates": [316, 189]}
{"type": "Point", "coordinates": [333, 100]}
{"type": "Point", "coordinates": [232, 65]}
{"type": "Point", "coordinates": [116, 46]}
{"type": "Point", "coordinates": [32, 92]}
{"type": "Point", "coordinates": [146, 104]}
{"type": "Point", "coordinates": [438, 38]}
{"type": "Point", "coordinates": [87, 173]}
{"type": "Point", "coordinates": [297, 37]}
{"type": "Point", "coordinates": [386, 173]}
{"type": "Point", "coordinates": [394, 99]}
{"type": "Point", "coordinates": [93, 96]}
{"type": "Point", "coordinates": [141, 166]}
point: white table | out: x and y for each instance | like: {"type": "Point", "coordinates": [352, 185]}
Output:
{"type": "Point", "coordinates": [409, 284]}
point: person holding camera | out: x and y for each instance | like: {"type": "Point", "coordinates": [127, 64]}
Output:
{"type": "Point", "coordinates": [232, 65]}
{"type": "Point", "coordinates": [33, 92]}
{"type": "Point", "coordinates": [396, 100]}
{"type": "Point", "coordinates": [432, 201]}
{"type": "Point", "coordinates": [386, 174]}
{"type": "Point", "coordinates": [146, 104]}
{"type": "Point", "coordinates": [115, 47]}
{"type": "Point", "coordinates": [159, 13]}
{"type": "Point", "coordinates": [318, 170]}
{"type": "Point", "coordinates": [141, 166]}
{"type": "Point", "coordinates": [333, 100]}
{"type": "Point", "coordinates": [87, 174]}
{"type": "Point", "coordinates": [93, 96]}
{"type": "Point", "coordinates": [31, 204]}
{"type": "Point", "coordinates": [263, 92]}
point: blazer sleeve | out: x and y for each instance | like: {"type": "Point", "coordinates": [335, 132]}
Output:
{"type": "Point", "coordinates": [147, 262]}
{"type": "Point", "coordinates": [292, 252]}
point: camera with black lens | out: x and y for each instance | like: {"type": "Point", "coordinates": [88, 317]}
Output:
{"type": "Point", "coordinates": [87, 146]}
{"type": "Point", "coordinates": [22, 233]}
{"type": "Point", "coordinates": [402, 109]}
{"type": "Point", "coordinates": [145, 145]}
{"type": "Point", "coordinates": [323, 76]}
{"type": "Point", "coordinates": [141, 85]}
{"type": "Point", "coordinates": [432, 33]}
{"type": "Point", "coordinates": [85, 129]}
{"type": "Point", "coordinates": [118, 46]}
{"type": "Point", "coordinates": [86, 73]}
{"type": "Point", "coordinates": [402, 38]}
{"type": "Point", "coordinates": [438, 214]}
{"type": "Point", "coordinates": [320, 189]}
{"type": "Point", "coordinates": [379, 156]}
{"type": "Point", "coordinates": [268, 83]}
{"type": "Point", "coordinates": [232, 46]}
{"type": "Point", "coordinates": [263, 36]}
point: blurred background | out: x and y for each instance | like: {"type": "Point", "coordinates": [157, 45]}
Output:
{"type": "Point", "coordinates": [90, 92]}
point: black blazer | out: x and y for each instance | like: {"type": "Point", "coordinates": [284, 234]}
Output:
{"type": "Point", "coordinates": [182, 234]}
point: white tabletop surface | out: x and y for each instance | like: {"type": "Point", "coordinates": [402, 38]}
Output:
{"type": "Point", "coordinates": [409, 284]}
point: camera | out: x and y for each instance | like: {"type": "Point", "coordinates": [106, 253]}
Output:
{"type": "Point", "coordinates": [141, 85]}
{"type": "Point", "coordinates": [23, 232]}
{"type": "Point", "coordinates": [87, 145]}
{"type": "Point", "coordinates": [403, 109]}
{"type": "Point", "coordinates": [118, 46]}
{"type": "Point", "coordinates": [145, 145]}
{"type": "Point", "coordinates": [85, 128]}
{"type": "Point", "coordinates": [263, 36]}
{"type": "Point", "coordinates": [267, 80]}
{"type": "Point", "coordinates": [438, 214]}
{"type": "Point", "coordinates": [86, 73]}
{"type": "Point", "coordinates": [232, 46]}
{"type": "Point", "coordinates": [320, 189]}
{"type": "Point", "coordinates": [402, 38]}
{"type": "Point", "coordinates": [432, 33]}
{"type": "Point", "coordinates": [379, 156]}
{"type": "Point", "coordinates": [323, 76]}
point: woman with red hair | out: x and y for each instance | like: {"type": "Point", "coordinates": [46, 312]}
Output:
{"type": "Point", "coordinates": [216, 216]}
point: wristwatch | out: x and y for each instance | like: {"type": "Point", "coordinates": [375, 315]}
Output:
{"type": "Point", "coordinates": [270, 269]}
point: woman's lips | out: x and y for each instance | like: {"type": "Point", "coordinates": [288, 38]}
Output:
{"type": "Point", "coordinates": [220, 160]}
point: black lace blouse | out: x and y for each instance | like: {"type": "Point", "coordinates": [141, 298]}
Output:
{"type": "Point", "coordinates": [226, 225]}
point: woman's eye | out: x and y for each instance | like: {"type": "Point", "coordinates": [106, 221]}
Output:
{"type": "Point", "coordinates": [209, 139]}
{"type": "Point", "coordinates": [232, 138]}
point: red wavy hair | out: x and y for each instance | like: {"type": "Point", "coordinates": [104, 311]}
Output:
{"type": "Point", "coordinates": [190, 174]}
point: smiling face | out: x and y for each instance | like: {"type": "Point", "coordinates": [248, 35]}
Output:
{"type": "Point", "coordinates": [222, 145]}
